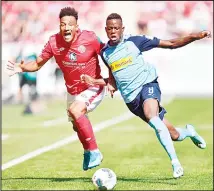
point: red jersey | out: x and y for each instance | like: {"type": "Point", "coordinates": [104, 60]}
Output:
{"type": "Point", "coordinates": [80, 57]}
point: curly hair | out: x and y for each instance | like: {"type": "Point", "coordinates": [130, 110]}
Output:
{"type": "Point", "coordinates": [114, 16]}
{"type": "Point", "coordinates": [68, 11]}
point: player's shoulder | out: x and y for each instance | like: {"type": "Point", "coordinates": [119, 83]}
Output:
{"type": "Point", "coordinates": [53, 36]}
{"type": "Point", "coordinates": [55, 40]}
{"type": "Point", "coordinates": [104, 48]}
{"type": "Point", "coordinates": [131, 36]}
{"type": "Point", "coordinates": [137, 37]}
{"type": "Point", "coordinates": [88, 34]}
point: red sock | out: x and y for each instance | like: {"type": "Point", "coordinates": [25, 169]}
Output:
{"type": "Point", "coordinates": [80, 138]}
{"type": "Point", "coordinates": [85, 133]}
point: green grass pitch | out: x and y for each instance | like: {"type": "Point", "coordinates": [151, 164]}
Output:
{"type": "Point", "coordinates": [130, 149]}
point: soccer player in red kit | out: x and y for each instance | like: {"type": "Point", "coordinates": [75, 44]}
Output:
{"type": "Point", "coordinates": [76, 52]}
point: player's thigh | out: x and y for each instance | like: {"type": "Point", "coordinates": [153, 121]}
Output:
{"type": "Point", "coordinates": [91, 98]}
{"type": "Point", "coordinates": [151, 97]}
{"type": "Point", "coordinates": [135, 106]}
{"type": "Point", "coordinates": [22, 81]}
{"type": "Point", "coordinates": [75, 107]}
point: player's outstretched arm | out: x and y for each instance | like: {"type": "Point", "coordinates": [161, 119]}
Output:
{"type": "Point", "coordinates": [182, 41]}
{"type": "Point", "coordinates": [14, 68]}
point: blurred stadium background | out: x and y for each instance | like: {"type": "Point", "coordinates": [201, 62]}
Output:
{"type": "Point", "coordinates": [33, 23]}
{"type": "Point", "coordinates": [184, 74]}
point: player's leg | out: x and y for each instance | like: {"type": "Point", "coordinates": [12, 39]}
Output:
{"type": "Point", "coordinates": [32, 106]}
{"type": "Point", "coordinates": [173, 132]}
{"type": "Point", "coordinates": [154, 113]}
{"type": "Point", "coordinates": [21, 84]}
{"type": "Point", "coordinates": [77, 110]}
{"type": "Point", "coordinates": [78, 107]}
{"type": "Point", "coordinates": [179, 134]}
{"type": "Point", "coordinates": [83, 127]}
{"type": "Point", "coordinates": [27, 108]}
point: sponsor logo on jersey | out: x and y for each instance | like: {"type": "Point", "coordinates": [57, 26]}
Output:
{"type": "Point", "coordinates": [81, 49]}
{"type": "Point", "coordinates": [119, 64]}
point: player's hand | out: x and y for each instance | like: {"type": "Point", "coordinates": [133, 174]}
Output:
{"type": "Point", "coordinates": [14, 68]}
{"type": "Point", "coordinates": [204, 34]}
{"type": "Point", "coordinates": [84, 78]}
{"type": "Point", "coordinates": [111, 89]}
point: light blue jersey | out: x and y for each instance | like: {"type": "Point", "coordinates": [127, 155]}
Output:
{"type": "Point", "coordinates": [128, 67]}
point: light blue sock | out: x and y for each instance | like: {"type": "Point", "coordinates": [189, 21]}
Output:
{"type": "Point", "coordinates": [163, 136]}
{"type": "Point", "coordinates": [184, 133]}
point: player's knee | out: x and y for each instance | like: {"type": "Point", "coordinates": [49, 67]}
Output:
{"type": "Point", "coordinates": [150, 108]}
{"type": "Point", "coordinates": [174, 135]}
{"type": "Point", "coordinates": [75, 128]}
{"type": "Point", "coordinates": [76, 110]}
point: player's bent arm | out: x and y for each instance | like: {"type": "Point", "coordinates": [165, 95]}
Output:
{"type": "Point", "coordinates": [182, 41]}
{"type": "Point", "coordinates": [111, 81]}
{"type": "Point", "coordinates": [34, 65]}
{"type": "Point", "coordinates": [100, 82]}
{"type": "Point", "coordinates": [92, 81]}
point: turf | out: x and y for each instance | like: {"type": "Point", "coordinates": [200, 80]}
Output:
{"type": "Point", "coordinates": [130, 149]}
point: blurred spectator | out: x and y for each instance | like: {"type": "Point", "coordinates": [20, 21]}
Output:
{"type": "Point", "coordinates": [168, 19]}
{"type": "Point", "coordinates": [142, 28]}
{"type": "Point", "coordinates": [31, 19]}
{"type": "Point", "coordinates": [27, 79]}
{"type": "Point", "coordinates": [32, 22]}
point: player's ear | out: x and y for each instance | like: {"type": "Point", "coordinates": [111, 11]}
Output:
{"type": "Point", "coordinates": [77, 27]}
{"type": "Point", "coordinates": [123, 28]}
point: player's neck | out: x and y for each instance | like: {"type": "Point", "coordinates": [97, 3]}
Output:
{"type": "Point", "coordinates": [73, 40]}
{"type": "Point", "coordinates": [114, 43]}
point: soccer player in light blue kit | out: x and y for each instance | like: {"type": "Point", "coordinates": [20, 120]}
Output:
{"type": "Point", "coordinates": [137, 82]}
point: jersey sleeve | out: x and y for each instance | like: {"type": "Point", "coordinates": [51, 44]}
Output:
{"type": "Point", "coordinates": [46, 52]}
{"type": "Point", "coordinates": [144, 43]}
{"type": "Point", "coordinates": [103, 59]}
{"type": "Point", "coordinates": [98, 45]}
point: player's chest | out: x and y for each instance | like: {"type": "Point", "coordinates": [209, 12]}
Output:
{"type": "Point", "coordinates": [75, 54]}
{"type": "Point", "coordinates": [120, 57]}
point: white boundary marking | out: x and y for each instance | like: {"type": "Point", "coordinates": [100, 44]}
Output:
{"type": "Point", "coordinates": [61, 120]}
{"type": "Point", "coordinates": [54, 122]}
{"type": "Point", "coordinates": [4, 136]}
{"type": "Point", "coordinates": [98, 127]}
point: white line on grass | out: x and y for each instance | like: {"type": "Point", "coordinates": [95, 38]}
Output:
{"type": "Point", "coordinates": [72, 138]}
{"type": "Point", "coordinates": [4, 136]}
{"type": "Point", "coordinates": [98, 127]}
{"type": "Point", "coordinates": [62, 120]}
{"type": "Point", "coordinates": [53, 122]}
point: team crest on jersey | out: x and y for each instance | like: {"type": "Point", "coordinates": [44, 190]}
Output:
{"type": "Point", "coordinates": [61, 49]}
{"type": "Point", "coordinates": [81, 49]}
{"type": "Point", "coordinates": [73, 56]}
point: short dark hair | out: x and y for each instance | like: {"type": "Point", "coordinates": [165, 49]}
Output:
{"type": "Point", "coordinates": [114, 16]}
{"type": "Point", "coordinates": [68, 11]}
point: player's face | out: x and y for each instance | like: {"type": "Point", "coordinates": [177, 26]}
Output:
{"type": "Point", "coordinates": [114, 30]}
{"type": "Point", "coordinates": [68, 28]}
